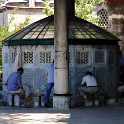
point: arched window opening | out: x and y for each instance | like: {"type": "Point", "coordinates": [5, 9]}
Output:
{"type": "Point", "coordinates": [103, 23]}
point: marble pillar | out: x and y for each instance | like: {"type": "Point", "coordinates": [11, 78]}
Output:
{"type": "Point", "coordinates": [61, 98]}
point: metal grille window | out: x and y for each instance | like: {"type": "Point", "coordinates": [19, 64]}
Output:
{"type": "Point", "coordinates": [45, 57]}
{"type": "Point", "coordinates": [99, 57]}
{"type": "Point", "coordinates": [28, 57]}
{"type": "Point", "coordinates": [6, 58]}
{"type": "Point", "coordinates": [82, 57]}
{"type": "Point", "coordinates": [103, 18]}
{"type": "Point", "coordinates": [13, 55]}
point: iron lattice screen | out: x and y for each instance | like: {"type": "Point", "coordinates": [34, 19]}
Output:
{"type": "Point", "coordinates": [13, 54]}
{"type": "Point", "coordinates": [6, 58]}
{"type": "Point", "coordinates": [99, 57]}
{"type": "Point", "coordinates": [103, 23]}
{"type": "Point", "coordinates": [28, 57]}
{"type": "Point", "coordinates": [82, 57]}
{"type": "Point", "coordinates": [45, 57]}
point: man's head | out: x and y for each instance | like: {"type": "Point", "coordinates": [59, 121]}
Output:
{"type": "Point", "coordinates": [20, 70]}
{"type": "Point", "coordinates": [89, 73]}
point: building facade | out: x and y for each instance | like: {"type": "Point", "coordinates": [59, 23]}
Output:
{"type": "Point", "coordinates": [90, 49]}
{"type": "Point", "coordinates": [19, 10]}
{"type": "Point", "coordinates": [112, 15]}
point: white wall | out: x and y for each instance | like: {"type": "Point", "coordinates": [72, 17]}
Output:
{"type": "Point", "coordinates": [2, 18]}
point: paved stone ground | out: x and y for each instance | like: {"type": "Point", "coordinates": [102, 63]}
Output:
{"type": "Point", "coordinates": [82, 115]}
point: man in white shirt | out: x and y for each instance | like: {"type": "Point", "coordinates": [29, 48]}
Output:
{"type": "Point", "coordinates": [88, 85]}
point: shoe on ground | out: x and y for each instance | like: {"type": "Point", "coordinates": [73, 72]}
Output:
{"type": "Point", "coordinates": [46, 105]}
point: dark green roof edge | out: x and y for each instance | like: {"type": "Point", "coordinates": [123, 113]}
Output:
{"type": "Point", "coordinates": [51, 42]}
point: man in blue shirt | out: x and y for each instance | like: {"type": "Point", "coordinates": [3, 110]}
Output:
{"type": "Point", "coordinates": [14, 85]}
{"type": "Point", "coordinates": [14, 82]}
{"type": "Point", "coordinates": [50, 82]}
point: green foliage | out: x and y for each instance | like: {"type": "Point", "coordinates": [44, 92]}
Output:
{"type": "Point", "coordinates": [21, 25]}
{"type": "Point", "coordinates": [84, 9]}
{"type": "Point", "coordinates": [48, 10]}
{"type": "Point", "coordinates": [5, 32]}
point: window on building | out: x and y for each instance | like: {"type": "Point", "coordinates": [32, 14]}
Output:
{"type": "Point", "coordinates": [13, 55]}
{"type": "Point", "coordinates": [28, 57]}
{"type": "Point", "coordinates": [103, 23]}
{"type": "Point", "coordinates": [45, 57]}
{"type": "Point", "coordinates": [6, 58]}
{"type": "Point", "coordinates": [100, 57]}
{"type": "Point", "coordinates": [82, 57]}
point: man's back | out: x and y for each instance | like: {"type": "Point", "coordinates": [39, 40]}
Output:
{"type": "Point", "coordinates": [90, 80]}
{"type": "Point", "coordinates": [13, 80]}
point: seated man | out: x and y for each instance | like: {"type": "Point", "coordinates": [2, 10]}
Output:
{"type": "Point", "coordinates": [120, 90]}
{"type": "Point", "coordinates": [14, 85]}
{"type": "Point", "coordinates": [88, 85]}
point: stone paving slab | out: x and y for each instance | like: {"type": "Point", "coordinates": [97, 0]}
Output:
{"type": "Point", "coordinates": [82, 115]}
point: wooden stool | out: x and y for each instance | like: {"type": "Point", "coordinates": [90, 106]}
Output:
{"type": "Point", "coordinates": [91, 97]}
{"type": "Point", "coordinates": [13, 98]}
{"type": "Point", "coordinates": [39, 95]}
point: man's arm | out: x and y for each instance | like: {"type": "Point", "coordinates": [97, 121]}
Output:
{"type": "Point", "coordinates": [21, 87]}
{"type": "Point", "coordinates": [83, 83]}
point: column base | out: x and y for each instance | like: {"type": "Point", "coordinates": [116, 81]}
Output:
{"type": "Point", "coordinates": [61, 102]}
